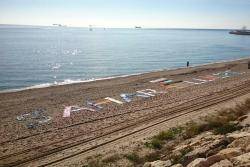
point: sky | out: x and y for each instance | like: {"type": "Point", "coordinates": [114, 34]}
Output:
{"type": "Point", "coordinates": [128, 13]}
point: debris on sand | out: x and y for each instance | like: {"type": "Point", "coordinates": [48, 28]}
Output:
{"type": "Point", "coordinates": [114, 100]}
{"type": "Point", "coordinates": [94, 105]}
{"type": "Point", "coordinates": [226, 74]}
{"type": "Point", "coordinates": [145, 93]}
{"type": "Point", "coordinates": [66, 111]}
{"type": "Point", "coordinates": [69, 109]}
{"type": "Point", "coordinates": [127, 96]}
{"type": "Point", "coordinates": [34, 118]}
{"type": "Point", "coordinates": [170, 82]}
{"type": "Point", "coordinates": [158, 80]}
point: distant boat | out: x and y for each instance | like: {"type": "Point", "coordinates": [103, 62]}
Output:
{"type": "Point", "coordinates": [243, 31]}
{"type": "Point", "coordinates": [59, 25]}
{"type": "Point", "coordinates": [137, 27]}
{"type": "Point", "coordinates": [90, 28]}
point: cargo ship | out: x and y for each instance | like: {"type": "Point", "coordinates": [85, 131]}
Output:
{"type": "Point", "coordinates": [243, 31]}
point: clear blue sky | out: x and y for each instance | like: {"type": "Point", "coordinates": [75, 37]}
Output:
{"type": "Point", "coordinates": [128, 13]}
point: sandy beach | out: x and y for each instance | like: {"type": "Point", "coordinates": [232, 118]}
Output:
{"type": "Point", "coordinates": [23, 136]}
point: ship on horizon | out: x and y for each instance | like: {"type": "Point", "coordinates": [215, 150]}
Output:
{"type": "Point", "coordinates": [243, 31]}
{"type": "Point", "coordinates": [59, 25]}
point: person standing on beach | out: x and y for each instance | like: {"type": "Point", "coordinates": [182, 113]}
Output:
{"type": "Point", "coordinates": [187, 63]}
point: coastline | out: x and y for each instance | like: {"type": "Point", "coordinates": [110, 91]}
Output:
{"type": "Point", "coordinates": [58, 130]}
{"type": "Point", "coordinates": [75, 82]}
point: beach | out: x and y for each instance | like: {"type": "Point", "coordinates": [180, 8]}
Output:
{"type": "Point", "coordinates": [19, 135]}
{"type": "Point", "coordinates": [124, 83]}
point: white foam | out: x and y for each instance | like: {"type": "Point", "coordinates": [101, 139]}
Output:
{"type": "Point", "coordinates": [44, 85]}
{"type": "Point", "coordinates": [66, 82]}
{"type": "Point", "coordinates": [69, 81]}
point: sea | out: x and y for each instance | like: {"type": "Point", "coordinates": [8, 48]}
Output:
{"type": "Point", "coordinates": [41, 56]}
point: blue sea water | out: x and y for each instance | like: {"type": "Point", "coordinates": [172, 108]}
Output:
{"type": "Point", "coordinates": [32, 56]}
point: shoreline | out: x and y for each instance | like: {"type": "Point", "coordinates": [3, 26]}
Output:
{"type": "Point", "coordinates": [106, 116]}
{"type": "Point", "coordinates": [75, 82]}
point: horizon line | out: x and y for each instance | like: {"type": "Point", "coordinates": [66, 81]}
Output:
{"type": "Point", "coordinates": [65, 26]}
